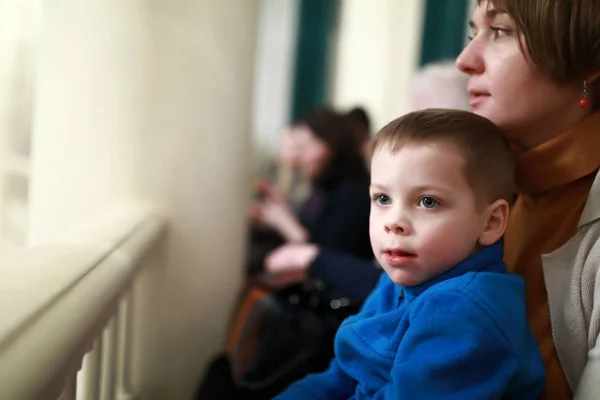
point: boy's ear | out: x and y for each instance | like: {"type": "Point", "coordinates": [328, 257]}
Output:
{"type": "Point", "coordinates": [496, 215]}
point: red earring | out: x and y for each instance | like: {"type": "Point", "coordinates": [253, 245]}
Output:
{"type": "Point", "coordinates": [584, 102]}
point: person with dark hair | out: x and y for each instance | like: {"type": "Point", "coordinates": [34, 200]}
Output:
{"type": "Point", "coordinates": [360, 114]}
{"type": "Point", "coordinates": [362, 126]}
{"type": "Point", "coordinates": [335, 214]}
{"type": "Point", "coordinates": [339, 253]}
{"type": "Point", "coordinates": [323, 146]}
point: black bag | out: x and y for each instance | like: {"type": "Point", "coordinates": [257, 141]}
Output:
{"type": "Point", "coordinates": [262, 241]}
{"type": "Point", "coordinates": [278, 337]}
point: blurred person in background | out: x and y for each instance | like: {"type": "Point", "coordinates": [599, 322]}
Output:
{"type": "Point", "coordinates": [439, 85]}
{"type": "Point", "coordinates": [362, 127]}
{"type": "Point", "coordinates": [325, 147]}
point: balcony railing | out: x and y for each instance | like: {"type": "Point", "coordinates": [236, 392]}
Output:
{"type": "Point", "coordinates": [66, 310]}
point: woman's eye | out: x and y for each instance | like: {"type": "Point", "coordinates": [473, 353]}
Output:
{"type": "Point", "coordinates": [428, 202]}
{"type": "Point", "coordinates": [498, 32]}
{"type": "Point", "coordinates": [472, 34]}
{"type": "Point", "coordinates": [383, 200]}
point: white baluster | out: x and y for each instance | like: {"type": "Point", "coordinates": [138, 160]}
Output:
{"type": "Point", "coordinates": [89, 377]}
{"type": "Point", "coordinates": [70, 391]}
{"type": "Point", "coordinates": [109, 358]}
{"type": "Point", "coordinates": [123, 352]}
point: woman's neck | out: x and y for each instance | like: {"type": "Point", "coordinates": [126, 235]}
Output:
{"type": "Point", "coordinates": [545, 129]}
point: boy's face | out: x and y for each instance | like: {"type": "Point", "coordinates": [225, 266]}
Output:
{"type": "Point", "coordinates": [424, 217]}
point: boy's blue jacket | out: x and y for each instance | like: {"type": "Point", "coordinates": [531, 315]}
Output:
{"type": "Point", "coordinates": [462, 335]}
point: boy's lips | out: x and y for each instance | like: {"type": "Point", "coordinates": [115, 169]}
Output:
{"type": "Point", "coordinates": [398, 257]}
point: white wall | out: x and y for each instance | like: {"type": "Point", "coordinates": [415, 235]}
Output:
{"type": "Point", "coordinates": [273, 77]}
{"type": "Point", "coordinates": [152, 99]}
{"type": "Point", "coordinates": [378, 50]}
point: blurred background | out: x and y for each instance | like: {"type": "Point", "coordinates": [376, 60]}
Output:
{"type": "Point", "coordinates": [181, 103]}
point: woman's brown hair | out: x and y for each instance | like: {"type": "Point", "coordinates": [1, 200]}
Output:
{"type": "Point", "coordinates": [562, 37]}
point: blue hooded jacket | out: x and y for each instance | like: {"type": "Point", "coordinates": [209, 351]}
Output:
{"type": "Point", "coordinates": [462, 335]}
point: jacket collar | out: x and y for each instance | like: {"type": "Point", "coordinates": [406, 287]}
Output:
{"type": "Point", "coordinates": [488, 259]}
{"type": "Point", "coordinates": [591, 211]}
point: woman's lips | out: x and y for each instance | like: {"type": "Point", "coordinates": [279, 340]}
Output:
{"type": "Point", "coordinates": [477, 98]}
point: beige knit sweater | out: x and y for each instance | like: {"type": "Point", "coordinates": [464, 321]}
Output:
{"type": "Point", "coordinates": [572, 277]}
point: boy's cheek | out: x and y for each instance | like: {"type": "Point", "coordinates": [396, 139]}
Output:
{"type": "Point", "coordinates": [375, 232]}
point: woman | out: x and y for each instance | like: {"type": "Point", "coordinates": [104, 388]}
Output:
{"type": "Point", "coordinates": [533, 70]}
{"type": "Point", "coordinates": [324, 147]}
{"type": "Point", "coordinates": [335, 217]}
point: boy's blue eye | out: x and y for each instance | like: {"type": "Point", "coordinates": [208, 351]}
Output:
{"type": "Point", "coordinates": [428, 202]}
{"type": "Point", "coordinates": [383, 200]}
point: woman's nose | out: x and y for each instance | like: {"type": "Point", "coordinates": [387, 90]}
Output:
{"type": "Point", "coordinates": [470, 60]}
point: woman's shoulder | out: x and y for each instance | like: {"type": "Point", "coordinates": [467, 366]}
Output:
{"type": "Point", "coordinates": [585, 256]}
{"type": "Point", "coordinates": [578, 259]}
{"type": "Point", "coordinates": [572, 276]}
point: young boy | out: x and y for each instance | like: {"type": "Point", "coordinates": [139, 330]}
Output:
{"type": "Point", "coordinates": [445, 321]}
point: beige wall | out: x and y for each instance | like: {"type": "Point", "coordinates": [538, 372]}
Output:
{"type": "Point", "coordinates": [90, 103]}
{"type": "Point", "coordinates": [197, 153]}
{"type": "Point", "coordinates": [152, 99]}
{"type": "Point", "coordinates": [378, 50]}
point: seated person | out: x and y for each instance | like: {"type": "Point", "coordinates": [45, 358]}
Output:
{"type": "Point", "coordinates": [445, 321]}
{"type": "Point", "coordinates": [335, 215]}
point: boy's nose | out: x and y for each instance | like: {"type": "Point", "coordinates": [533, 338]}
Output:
{"type": "Point", "coordinates": [398, 228]}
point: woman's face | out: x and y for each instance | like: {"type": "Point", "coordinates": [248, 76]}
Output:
{"type": "Point", "coordinates": [312, 153]}
{"type": "Point", "coordinates": [505, 87]}
{"type": "Point", "coordinates": [288, 149]}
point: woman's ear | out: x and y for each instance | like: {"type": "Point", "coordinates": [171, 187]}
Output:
{"type": "Point", "coordinates": [496, 215]}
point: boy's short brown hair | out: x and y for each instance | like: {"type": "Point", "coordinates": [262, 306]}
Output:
{"type": "Point", "coordinates": [562, 37]}
{"type": "Point", "coordinates": [489, 161]}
